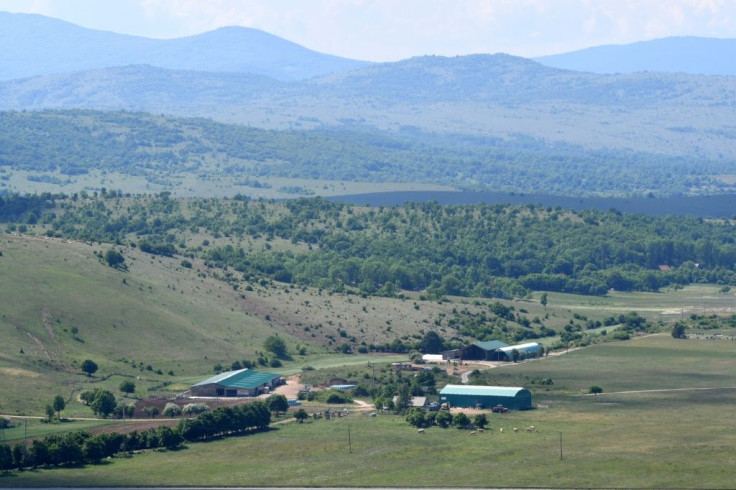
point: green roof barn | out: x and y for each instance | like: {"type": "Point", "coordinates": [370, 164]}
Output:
{"type": "Point", "coordinates": [481, 351]}
{"type": "Point", "coordinates": [513, 398]}
{"type": "Point", "coordinates": [244, 382]}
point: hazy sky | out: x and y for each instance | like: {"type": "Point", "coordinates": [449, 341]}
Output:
{"type": "Point", "coordinates": [388, 30]}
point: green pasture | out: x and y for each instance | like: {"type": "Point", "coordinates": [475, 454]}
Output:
{"type": "Point", "coordinates": [656, 362]}
{"type": "Point", "coordinates": [681, 437]}
{"type": "Point", "coordinates": [667, 305]}
{"type": "Point", "coordinates": [32, 428]}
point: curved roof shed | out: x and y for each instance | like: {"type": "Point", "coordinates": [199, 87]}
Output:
{"type": "Point", "coordinates": [513, 398]}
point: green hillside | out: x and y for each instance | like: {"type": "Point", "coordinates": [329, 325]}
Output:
{"type": "Point", "coordinates": [155, 314]}
{"type": "Point", "coordinates": [71, 151]}
{"type": "Point", "coordinates": [488, 96]}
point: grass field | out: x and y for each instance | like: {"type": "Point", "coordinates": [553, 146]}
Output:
{"type": "Point", "coordinates": [652, 439]}
{"type": "Point", "coordinates": [32, 428]}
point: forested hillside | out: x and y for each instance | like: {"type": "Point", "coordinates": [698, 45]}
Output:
{"type": "Point", "coordinates": [83, 149]}
{"type": "Point", "coordinates": [488, 251]}
{"type": "Point", "coordinates": [487, 96]}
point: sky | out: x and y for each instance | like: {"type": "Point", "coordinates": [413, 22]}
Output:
{"type": "Point", "coordinates": [389, 30]}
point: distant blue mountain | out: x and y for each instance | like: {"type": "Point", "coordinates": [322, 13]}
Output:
{"type": "Point", "coordinates": [33, 45]}
{"type": "Point", "coordinates": [695, 55]}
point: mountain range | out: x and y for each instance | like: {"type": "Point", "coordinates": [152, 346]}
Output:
{"type": "Point", "coordinates": [248, 77]}
{"type": "Point", "coordinates": [35, 45]}
{"type": "Point", "coordinates": [695, 55]}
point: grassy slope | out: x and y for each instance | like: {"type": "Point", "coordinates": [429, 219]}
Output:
{"type": "Point", "coordinates": [671, 439]}
{"type": "Point", "coordinates": [172, 318]}
{"type": "Point", "coordinates": [158, 314]}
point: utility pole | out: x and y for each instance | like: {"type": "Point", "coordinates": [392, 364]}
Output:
{"type": "Point", "coordinates": [350, 443]}
{"type": "Point", "coordinates": [560, 446]}
{"type": "Point", "coordinates": [373, 366]}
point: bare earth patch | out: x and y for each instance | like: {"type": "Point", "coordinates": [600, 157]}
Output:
{"type": "Point", "coordinates": [19, 372]}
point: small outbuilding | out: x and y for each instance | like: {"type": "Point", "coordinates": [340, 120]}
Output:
{"type": "Point", "coordinates": [243, 382]}
{"type": "Point", "coordinates": [470, 396]}
{"type": "Point", "coordinates": [433, 358]}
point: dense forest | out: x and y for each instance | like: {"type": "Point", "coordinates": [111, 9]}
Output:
{"type": "Point", "coordinates": [58, 146]}
{"type": "Point", "coordinates": [480, 250]}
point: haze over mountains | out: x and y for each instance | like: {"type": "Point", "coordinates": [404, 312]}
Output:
{"type": "Point", "coordinates": [695, 55]}
{"type": "Point", "coordinates": [248, 77]}
{"type": "Point", "coordinates": [36, 45]}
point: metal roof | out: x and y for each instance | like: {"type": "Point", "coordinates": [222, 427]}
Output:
{"type": "Point", "coordinates": [522, 347]}
{"type": "Point", "coordinates": [507, 391]}
{"type": "Point", "coordinates": [243, 378]}
{"type": "Point", "coordinates": [490, 345]}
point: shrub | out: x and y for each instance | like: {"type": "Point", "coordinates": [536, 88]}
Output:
{"type": "Point", "coordinates": [172, 410]}
{"type": "Point", "coordinates": [194, 408]}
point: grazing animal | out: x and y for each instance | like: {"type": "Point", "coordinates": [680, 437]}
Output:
{"type": "Point", "coordinates": [480, 430]}
{"type": "Point", "coordinates": [530, 428]}
{"type": "Point", "coordinates": [516, 429]}
{"type": "Point", "coordinates": [501, 430]}
{"type": "Point", "coordinates": [472, 433]}
{"type": "Point", "coordinates": [421, 431]}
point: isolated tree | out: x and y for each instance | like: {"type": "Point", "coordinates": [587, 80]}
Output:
{"type": "Point", "coordinates": [103, 403]}
{"type": "Point", "coordinates": [127, 386]}
{"type": "Point", "coordinates": [301, 415]}
{"type": "Point", "coordinates": [49, 412]}
{"type": "Point", "coordinates": [432, 343]}
{"type": "Point", "coordinates": [678, 331]}
{"type": "Point", "coordinates": [460, 420]}
{"type": "Point", "coordinates": [89, 366]}
{"type": "Point", "coordinates": [115, 259]}
{"type": "Point", "coordinates": [543, 300]}
{"type": "Point", "coordinates": [480, 420]}
{"type": "Point", "coordinates": [6, 458]}
{"type": "Point", "coordinates": [276, 345]}
{"type": "Point", "coordinates": [277, 404]}
{"type": "Point", "coordinates": [515, 355]}
{"type": "Point", "coordinates": [595, 389]}
{"type": "Point", "coordinates": [58, 404]}
{"type": "Point", "coordinates": [172, 410]}
{"type": "Point", "coordinates": [151, 411]}
{"type": "Point", "coordinates": [443, 419]}
{"type": "Point", "coordinates": [416, 417]}
{"type": "Point", "coordinates": [403, 399]}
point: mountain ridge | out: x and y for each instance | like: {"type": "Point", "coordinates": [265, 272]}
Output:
{"type": "Point", "coordinates": [676, 54]}
{"type": "Point", "coordinates": [35, 45]}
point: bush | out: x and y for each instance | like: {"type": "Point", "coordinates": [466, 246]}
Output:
{"type": "Point", "coordinates": [461, 420]}
{"type": "Point", "coordinates": [172, 410]}
{"type": "Point", "coordinates": [276, 345]}
{"type": "Point", "coordinates": [194, 408]}
{"type": "Point", "coordinates": [127, 386]}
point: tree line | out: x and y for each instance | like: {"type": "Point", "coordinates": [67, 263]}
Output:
{"type": "Point", "coordinates": [480, 250]}
{"type": "Point", "coordinates": [164, 150]}
{"type": "Point", "coordinates": [82, 447]}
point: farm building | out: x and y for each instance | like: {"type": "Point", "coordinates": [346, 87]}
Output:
{"type": "Point", "coordinates": [244, 382]}
{"type": "Point", "coordinates": [526, 351]}
{"type": "Point", "coordinates": [481, 351]}
{"type": "Point", "coordinates": [433, 358]}
{"type": "Point", "coordinates": [470, 396]}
